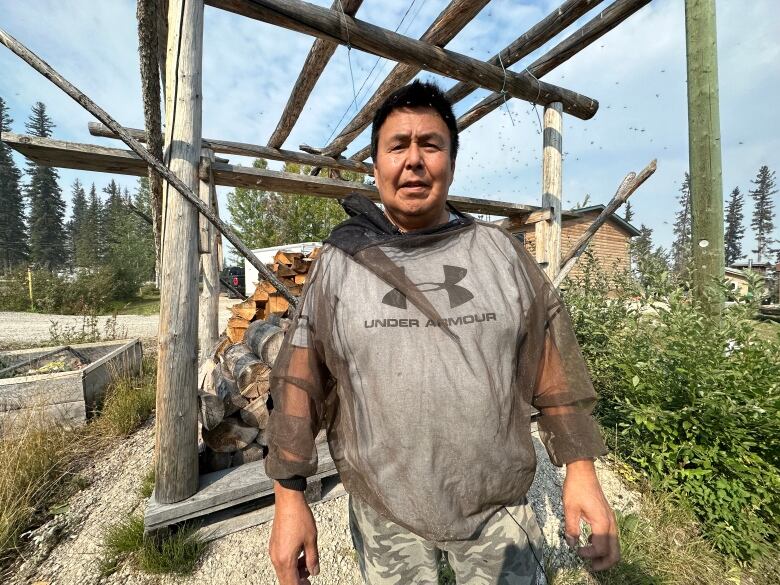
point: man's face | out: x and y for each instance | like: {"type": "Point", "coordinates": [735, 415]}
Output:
{"type": "Point", "coordinates": [414, 166]}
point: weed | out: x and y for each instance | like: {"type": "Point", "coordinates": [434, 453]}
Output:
{"type": "Point", "coordinates": [172, 551]}
{"type": "Point", "coordinates": [129, 402]}
{"type": "Point", "coordinates": [147, 484]}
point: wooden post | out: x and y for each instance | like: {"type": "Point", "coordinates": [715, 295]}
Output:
{"type": "Point", "coordinates": [548, 233]}
{"type": "Point", "coordinates": [208, 321]}
{"type": "Point", "coordinates": [704, 153]}
{"type": "Point", "coordinates": [176, 447]}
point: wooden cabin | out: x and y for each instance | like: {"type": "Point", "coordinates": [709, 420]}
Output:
{"type": "Point", "coordinates": [610, 245]}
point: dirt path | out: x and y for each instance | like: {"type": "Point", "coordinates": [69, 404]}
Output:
{"type": "Point", "coordinates": [36, 327]}
{"type": "Point", "coordinates": [67, 549]}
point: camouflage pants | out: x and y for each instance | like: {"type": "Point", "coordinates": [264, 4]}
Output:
{"type": "Point", "coordinates": [500, 555]}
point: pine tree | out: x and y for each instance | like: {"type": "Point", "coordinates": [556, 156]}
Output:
{"type": "Point", "coordinates": [14, 249]}
{"type": "Point", "coordinates": [681, 247]}
{"type": "Point", "coordinates": [47, 208]}
{"type": "Point", "coordinates": [647, 262]}
{"type": "Point", "coordinates": [735, 231]}
{"type": "Point", "coordinates": [93, 230]}
{"type": "Point", "coordinates": [763, 213]}
{"type": "Point", "coordinates": [629, 214]}
{"type": "Point", "coordinates": [79, 237]}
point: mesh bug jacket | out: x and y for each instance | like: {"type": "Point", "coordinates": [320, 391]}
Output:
{"type": "Point", "coordinates": [424, 355]}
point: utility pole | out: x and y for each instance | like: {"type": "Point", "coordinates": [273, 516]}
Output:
{"type": "Point", "coordinates": [704, 153]}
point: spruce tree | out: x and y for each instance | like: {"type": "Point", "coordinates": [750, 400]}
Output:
{"type": "Point", "coordinates": [47, 208]}
{"type": "Point", "coordinates": [734, 231]}
{"type": "Point", "coordinates": [764, 211]}
{"type": "Point", "coordinates": [14, 249]}
{"type": "Point", "coordinates": [681, 247]}
{"type": "Point", "coordinates": [93, 230]}
{"type": "Point", "coordinates": [629, 214]}
{"type": "Point", "coordinates": [79, 237]}
{"type": "Point", "coordinates": [648, 263]}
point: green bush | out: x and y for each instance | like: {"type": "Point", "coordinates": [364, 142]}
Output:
{"type": "Point", "coordinates": [691, 401]}
{"type": "Point", "coordinates": [86, 292]}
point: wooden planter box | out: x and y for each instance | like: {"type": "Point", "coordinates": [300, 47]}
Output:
{"type": "Point", "coordinates": [69, 398]}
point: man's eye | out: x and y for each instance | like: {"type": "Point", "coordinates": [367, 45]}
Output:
{"type": "Point", "coordinates": [396, 147]}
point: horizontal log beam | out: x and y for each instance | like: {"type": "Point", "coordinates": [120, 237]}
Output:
{"type": "Point", "coordinates": [72, 155]}
{"type": "Point", "coordinates": [256, 150]}
{"type": "Point", "coordinates": [320, 22]}
{"type": "Point", "coordinates": [449, 23]}
{"type": "Point", "coordinates": [606, 20]}
{"type": "Point", "coordinates": [319, 55]}
{"type": "Point", "coordinates": [524, 45]}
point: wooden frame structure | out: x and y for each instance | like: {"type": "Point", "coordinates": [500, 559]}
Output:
{"type": "Point", "coordinates": [192, 170]}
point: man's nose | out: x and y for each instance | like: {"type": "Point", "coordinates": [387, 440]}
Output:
{"type": "Point", "coordinates": [413, 156]}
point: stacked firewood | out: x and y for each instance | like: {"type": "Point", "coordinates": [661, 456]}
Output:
{"type": "Point", "coordinates": [291, 268]}
{"type": "Point", "coordinates": [234, 381]}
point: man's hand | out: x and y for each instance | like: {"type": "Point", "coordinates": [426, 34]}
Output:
{"type": "Point", "coordinates": [583, 499]}
{"type": "Point", "coordinates": [293, 531]}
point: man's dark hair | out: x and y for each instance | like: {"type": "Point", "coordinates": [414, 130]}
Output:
{"type": "Point", "coordinates": [417, 94]}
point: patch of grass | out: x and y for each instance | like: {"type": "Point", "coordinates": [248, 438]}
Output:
{"type": "Point", "coordinates": [40, 462]}
{"type": "Point", "coordinates": [145, 305]}
{"type": "Point", "coordinates": [129, 402]}
{"type": "Point", "coordinates": [661, 546]}
{"type": "Point", "coordinates": [35, 466]}
{"type": "Point", "coordinates": [767, 330]}
{"type": "Point", "coordinates": [446, 574]}
{"type": "Point", "coordinates": [165, 552]}
{"type": "Point", "coordinates": [147, 485]}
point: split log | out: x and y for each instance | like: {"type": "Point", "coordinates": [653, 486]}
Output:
{"type": "Point", "coordinates": [234, 401]}
{"type": "Point", "coordinates": [247, 369]}
{"type": "Point", "coordinates": [277, 305]}
{"type": "Point", "coordinates": [236, 328]}
{"type": "Point", "coordinates": [214, 461]}
{"type": "Point", "coordinates": [229, 436]}
{"type": "Point", "coordinates": [211, 397]}
{"type": "Point", "coordinates": [265, 341]}
{"type": "Point", "coordinates": [255, 414]}
{"type": "Point", "coordinates": [287, 258]}
{"type": "Point", "coordinates": [299, 279]}
{"type": "Point", "coordinates": [253, 452]}
{"type": "Point", "coordinates": [283, 270]}
{"type": "Point", "coordinates": [245, 310]}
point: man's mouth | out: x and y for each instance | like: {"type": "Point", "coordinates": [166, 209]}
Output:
{"type": "Point", "coordinates": [414, 185]}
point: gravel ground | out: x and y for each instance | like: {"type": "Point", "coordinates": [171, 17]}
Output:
{"type": "Point", "coordinates": [67, 549]}
{"type": "Point", "coordinates": [35, 327]}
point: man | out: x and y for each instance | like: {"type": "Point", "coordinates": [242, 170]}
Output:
{"type": "Point", "coordinates": [424, 343]}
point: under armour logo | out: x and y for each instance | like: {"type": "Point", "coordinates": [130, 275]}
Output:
{"type": "Point", "coordinates": [452, 276]}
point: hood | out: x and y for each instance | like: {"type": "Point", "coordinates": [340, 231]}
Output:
{"type": "Point", "coordinates": [368, 226]}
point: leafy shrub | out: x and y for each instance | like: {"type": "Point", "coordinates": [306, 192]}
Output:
{"type": "Point", "coordinates": [695, 401]}
{"type": "Point", "coordinates": [87, 291]}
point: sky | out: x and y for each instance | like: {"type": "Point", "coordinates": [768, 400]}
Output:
{"type": "Point", "coordinates": [637, 72]}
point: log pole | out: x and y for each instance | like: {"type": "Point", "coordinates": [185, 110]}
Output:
{"type": "Point", "coordinates": [208, 321]}
{"type": "Point", "coordinates": [704, 154]}
{"type": "Point", "coordinates": [630, 183]}
{"type": "Point", "coordinates": [548, 233]}
{"type": "Point", "coordinates": [176, 447]}
{"type": "Point", "coordinates": [314, 20]}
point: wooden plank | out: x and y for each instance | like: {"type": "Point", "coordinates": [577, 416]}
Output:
{"type": "Point", "coordinates": [222, 489]}
{"type": "Point", "coordinates": [604, 22]}
{"type": "Point", "coordinates": [256, 150]}
{"type": "Point", "coordinates": [230, 521]}
{"type": "Point", "coordinates": [176, 421]}
{"type": "Point", "coordinates": [524, 45]}
{"type": "Point", "coordinates": [321, 22]}
{"type": "Point", "coordinates": [60, 154]}
{"type": "Point", "coordinates": [451, 20]}
{"type": "Point", "coordinates": [548, 233]}
{"type": "Point", "coordinates": [319, 55]}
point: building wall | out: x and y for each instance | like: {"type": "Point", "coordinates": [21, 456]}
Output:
{"type": "Point", "coordinates": [610, 245]}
